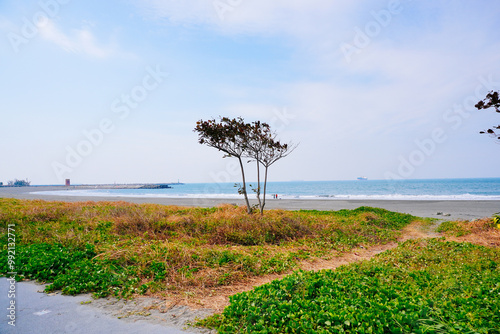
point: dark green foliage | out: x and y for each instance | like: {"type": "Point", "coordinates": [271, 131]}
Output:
{"type": "Point", "coordinates": [73, 271]}
{"type": "Point", "coordinates": [420, 287]}
{"type": "Point", "coordinates": [492, 100]}
{"type": "Point", "coordinates": [44, 262]}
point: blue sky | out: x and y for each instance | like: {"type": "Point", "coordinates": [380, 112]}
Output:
{"type": "Point", "coordinates": [104, 92]}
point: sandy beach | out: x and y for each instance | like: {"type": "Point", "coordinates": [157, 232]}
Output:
{"type": "Point", "coordinates": [448, 210]}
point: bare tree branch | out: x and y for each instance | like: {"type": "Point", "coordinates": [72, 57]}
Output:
{"type": "Point", "coordinates": [263, 147]}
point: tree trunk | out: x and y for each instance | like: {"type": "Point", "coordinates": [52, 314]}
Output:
{"type": "Point", "coordinates": [264, 198]}
{"type": "Point", "coordinates": [249, 208]}
{"type": "Point", "coordinates": [258, 186]}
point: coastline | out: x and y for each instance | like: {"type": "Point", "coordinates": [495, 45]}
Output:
{"type": "Point", "coordinates": [448, 210]}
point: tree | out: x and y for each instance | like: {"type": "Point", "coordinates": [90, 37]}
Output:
{"type": "Point", "coordinates": [255, 144]}
{"type": "Point", "coordinates": [491, 101]}
{"type": "Point", "coordinates": [19, 183]}
{"type": "Point", "coordinates": [228, 136]}
{"type": "Point", "coordinates": [265, 150]}
{"type": "Point", "coordinates": [255, 141]}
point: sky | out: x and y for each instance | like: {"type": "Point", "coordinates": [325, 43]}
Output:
{"type": "Point", "coordinates": [110, 91]}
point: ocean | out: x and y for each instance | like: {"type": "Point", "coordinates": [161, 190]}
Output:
{"type": "Point", "coordinates": [432, 189]}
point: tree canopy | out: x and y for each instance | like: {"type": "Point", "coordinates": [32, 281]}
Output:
{"type": "Point", "coordinates": [491, 101]}
{"type": "Point", "coordinates": [228, 136]}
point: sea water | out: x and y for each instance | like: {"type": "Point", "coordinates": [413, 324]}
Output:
{"type": "Point", "coordinates": [433, 189]}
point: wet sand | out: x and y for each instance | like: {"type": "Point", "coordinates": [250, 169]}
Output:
{"type": "Point", "coordinates": [39, 312]}
{"type": "Point", "coordinates": [467, 210]}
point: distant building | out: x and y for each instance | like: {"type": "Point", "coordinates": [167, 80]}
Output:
{"type": "Point", "coordinates": [68, 183]}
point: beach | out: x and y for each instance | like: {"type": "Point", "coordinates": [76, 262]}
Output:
{"type": "Point", "coordinates": [441, 209]}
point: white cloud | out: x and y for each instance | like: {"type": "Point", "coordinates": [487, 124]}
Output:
{"type": "Point", "coordinates": [262, 16]}
{"type": "Point", "coordinates": [80, 41]}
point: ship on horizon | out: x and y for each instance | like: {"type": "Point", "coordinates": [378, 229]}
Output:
{"type": "Point", "coordinates": [362, 178]}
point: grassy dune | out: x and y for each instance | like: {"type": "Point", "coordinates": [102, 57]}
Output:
{"type": "Point", "coordinates": [121, 248]}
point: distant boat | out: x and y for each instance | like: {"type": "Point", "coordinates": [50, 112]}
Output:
{"type": "Point", "coordinates": [362, 178]}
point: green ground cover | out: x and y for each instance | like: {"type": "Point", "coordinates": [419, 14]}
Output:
{"type": "Point", "coordinates": [121, 248]}
{"type": "Point", "coordinates": [422, 286]}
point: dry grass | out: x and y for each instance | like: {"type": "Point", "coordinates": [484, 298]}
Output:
{"type": "Point", "coordinates": [218, 298]}
{"type": "Point", "coordinates": [196, 254]}
{"type": "Point", "coordinates": [483, 232]}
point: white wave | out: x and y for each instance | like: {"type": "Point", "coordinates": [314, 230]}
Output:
{"type": "Point", "coordinates": [388, 197]}
{"type": "Point", "coordinates": [91, 193]}
{"type": "Point", "coordinates": [400, 197]}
